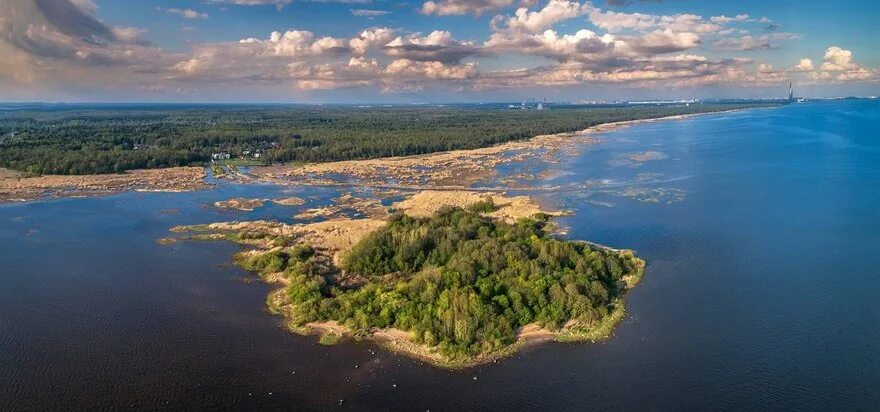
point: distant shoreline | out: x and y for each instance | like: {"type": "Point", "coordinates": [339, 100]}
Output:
{"type": "Point", "coordinates": [20, 187]}
{"type": "Point", "coordinates": [468, 161]}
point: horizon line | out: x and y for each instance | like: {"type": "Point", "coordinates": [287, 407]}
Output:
{"type": "Point", "coordinates": [122, 102]}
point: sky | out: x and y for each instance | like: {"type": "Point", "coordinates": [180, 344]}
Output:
{"type": "Point", "coordinates": [427, 51]}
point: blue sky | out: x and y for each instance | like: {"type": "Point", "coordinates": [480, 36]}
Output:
{"type": "Point", "coordinates": [433, 50]}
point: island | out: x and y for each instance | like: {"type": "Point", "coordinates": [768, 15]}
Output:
{"type": "Point", "coordinates": [452, 278]}
{"type": "Point", "coordinates": [455, 272]}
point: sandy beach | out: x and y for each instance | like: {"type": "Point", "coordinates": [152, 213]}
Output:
{"type": "Point", "coordinates": [15, 186]}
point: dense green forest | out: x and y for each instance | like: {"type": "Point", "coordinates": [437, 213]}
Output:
{"type": "Point", "coordinates": [107, 141]}
{"type": "Point", "coordinates": [457, 281]}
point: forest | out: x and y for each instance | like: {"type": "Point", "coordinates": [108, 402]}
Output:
{"type": "Point", "coordinates": [80, 141]}
{"type": "Point", "coordinates": [458, 281]}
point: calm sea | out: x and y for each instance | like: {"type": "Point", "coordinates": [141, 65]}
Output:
{"type": "Point", "coordinates": [761, 229]}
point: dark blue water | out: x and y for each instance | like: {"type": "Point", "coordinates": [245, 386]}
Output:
{"type": "Point", "coordinates": [761, 229]}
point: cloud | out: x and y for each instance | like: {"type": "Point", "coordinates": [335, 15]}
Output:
{"type": "Point", "coordinates": [63, 45]}
{"type": "Point", "coordinates": [129, 35]}
{"type": "Point", "coordinates": [368, 13]}
{"type": "Point", "coordinates": [536, 21]}
{"type": "Point", "coordinates": [837, 66]}
{"type": "Point", "coordinates": [370, 38]}
{"type": "Point", "coordinates": [726, 19]}
{"type": "Point", "coordinates": [750, 42]}
{"type": "Point", "coordinates": [311, 62]}
{"type": "Point", "coordinates": [453, 7]}
{"type": "Point", "coordinates": [398, 75]}
{"type": "Point", "coordinates": [663, 41]}
{"type": "Point", "coordinates": [679, 71]}
{"type": "Point", "coordinates": [295, 43]}
{"type": "Point", "coordinates": [59, 29]}
{"type": "Point", "coordinates": [583, 46]}
{"type": "Point", "coordinates": [186, 13]}
{"type": "Point", "coordinates": [837, 59]}
{"type": "Point", "coordinates": [805, 65]}
{"type": "Point", "coordinates": [689, 23]}
{"type": "Point", "coordinates": [625, 2]}
{"type": "Point", "coordinates": [614, 22]}
{"type": "Point", "coordinates": [517, 34]}
{"type": "Point", "coordinates": [743, 43]}
{"type": "Point", "coordinates": [277, 3]}
{"type": "Point", "coordinates": [52, 46]}
{"type": "Point", "coordinates": [619, 21]}
{"type": "Point", "coordinates": [436, 46]}
{"type": "Point", "coordinates": [87, 6]}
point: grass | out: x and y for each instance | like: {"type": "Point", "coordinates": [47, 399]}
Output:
{"type": "Point", "coordinates": [217, 169]}
{"type": "Point", "coordinates": [191, 228]}
{"type": "Point", "coordinates": [602, 330]}
{"type": "Point", "coordinates": [241, 162]}
{"type": "Point", "coordinates": [329, 339]}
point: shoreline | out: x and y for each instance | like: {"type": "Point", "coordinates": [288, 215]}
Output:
{"type": "Point", "coordinates": [397, 341]}
{"type": "Point", "coordinates": [333, 238]}
{"type": "Point", "coordinates": [19, 187]}
{"type": "Point", "coordinates": [531, 335]}
{"type": "Point", "coordinates": [472, 165]}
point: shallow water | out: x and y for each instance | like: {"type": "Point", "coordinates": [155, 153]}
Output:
{"type": "Point", "coordinates": [760, 229]}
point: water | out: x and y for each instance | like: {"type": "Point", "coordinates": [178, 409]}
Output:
{"type": "Point", "coordinates": [763, 248]}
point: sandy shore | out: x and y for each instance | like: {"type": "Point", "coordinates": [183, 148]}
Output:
{"type": "Point", "coordinates": [338, 234]}
{"type": "Point", "coordinates": [15, 186]}
{"type": "Point", "coordinates": [450, 170]}
{"type": "Point", "coordinates": [334, 237]}
{"type": "Point", "coordinates": [509, 209]}
{"type": "Point", "coordinates": [248, 205]}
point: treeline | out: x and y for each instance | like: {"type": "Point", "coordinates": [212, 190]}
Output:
{"type": "Point", "coordinates": [457, 281]}
{"type": "Point", "coordinates": [89, 142]}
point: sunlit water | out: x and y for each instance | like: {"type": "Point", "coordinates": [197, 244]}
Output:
{"type": "Point", "coordinates": [761, 230]}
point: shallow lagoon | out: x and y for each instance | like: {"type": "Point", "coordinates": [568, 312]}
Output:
{"type": "Point", "coordinates": [760, 229]}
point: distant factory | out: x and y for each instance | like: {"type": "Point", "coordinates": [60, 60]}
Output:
{"type": "Point", "coordinates": [531, 104]}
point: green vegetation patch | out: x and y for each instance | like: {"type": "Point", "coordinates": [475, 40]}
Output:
{"type": "Point", "coordinates": [329, 339]}
{"type": "Point", "coordinates": [483, 206]}
{"type": "Point", "coordinates": [111, 141]}
{"type": "Point", "coordinates": [458, 282]}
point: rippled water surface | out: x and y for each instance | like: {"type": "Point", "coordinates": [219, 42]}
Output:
{"type": "Point", "coordinates": [761, 230]}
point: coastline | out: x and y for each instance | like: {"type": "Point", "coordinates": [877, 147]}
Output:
{"type": "Point", "coordinates": [452, 170]}
{"type": "Point", "coordinates": [18, 187]}
{"type": "Point", "coordinates": [531, 335]}
{"type": "Point", "coordinates": [398, 341]}
{"type": "Point", "coordinates": [333, 238]}
{"type": "Point", "coordinates": [474, 165]}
